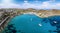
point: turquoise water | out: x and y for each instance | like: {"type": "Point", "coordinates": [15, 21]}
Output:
{"type": "Point", "coordinates": [30, 23]}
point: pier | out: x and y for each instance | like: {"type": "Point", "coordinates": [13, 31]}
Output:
{"type": "Point", "coordinates": [3, 22]}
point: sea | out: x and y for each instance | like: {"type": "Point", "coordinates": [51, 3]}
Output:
{"type": "Point", "coordinates": [30, 23]}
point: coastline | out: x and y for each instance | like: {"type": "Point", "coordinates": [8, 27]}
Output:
{"type": "Point", "coordinates": [39, 13]}
{"type": "Point", "coordinates": [6, 24]}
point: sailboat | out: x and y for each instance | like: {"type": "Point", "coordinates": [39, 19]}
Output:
{"type": "Point", "coordinates": [31, 19]}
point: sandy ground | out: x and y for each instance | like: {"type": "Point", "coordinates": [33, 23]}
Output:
{"type": "Point", "coordinates": [48, 13]}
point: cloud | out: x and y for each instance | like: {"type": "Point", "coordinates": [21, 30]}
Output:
{"type": "Point", "coordinates": [8, 4]}
{"type": "Point", "coordinates": [26, 4]}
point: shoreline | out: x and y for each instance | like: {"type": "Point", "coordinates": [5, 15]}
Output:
{"type": "Point", "coordinates": [39, 13]}
{"type": "Point", "coordinates": [6, 24]}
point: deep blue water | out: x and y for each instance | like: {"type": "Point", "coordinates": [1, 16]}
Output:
{"type": "Point", "coordinates": [29, 23]}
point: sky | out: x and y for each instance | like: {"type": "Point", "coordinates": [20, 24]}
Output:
{"type": "Point", "coordinates": [36, 4]}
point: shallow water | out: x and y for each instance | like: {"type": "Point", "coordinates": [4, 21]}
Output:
{"type": "Point", "coordinates": [29, 23]}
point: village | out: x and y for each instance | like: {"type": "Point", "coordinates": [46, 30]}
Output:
{"type": "Point", "coordinates": [7, 14]}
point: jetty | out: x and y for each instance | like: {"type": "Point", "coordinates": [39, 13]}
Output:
{"type": "Point", "coordinates": [3, 22]}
